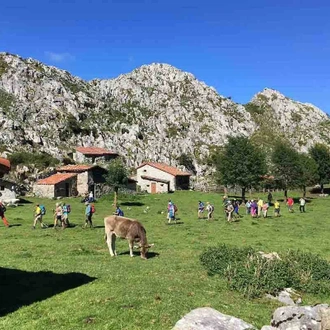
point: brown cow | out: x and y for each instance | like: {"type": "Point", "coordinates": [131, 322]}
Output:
{"type": "Point", "coordinates": [132, 230]}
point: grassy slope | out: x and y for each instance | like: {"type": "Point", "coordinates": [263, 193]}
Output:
{"type": "Point", "coordinates": [130, 293]}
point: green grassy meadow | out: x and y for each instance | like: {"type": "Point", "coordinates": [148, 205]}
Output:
{"type": "Point", "coordinates": [130, 293]}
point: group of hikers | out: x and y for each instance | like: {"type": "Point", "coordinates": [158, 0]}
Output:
{"type": "Point", "coordinates": [258, 207]}
{"type": "Point", "coordinates": [61, 215]}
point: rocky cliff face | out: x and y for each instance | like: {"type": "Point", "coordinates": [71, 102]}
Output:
{"type": "Point", "coordinates": [156, 112]}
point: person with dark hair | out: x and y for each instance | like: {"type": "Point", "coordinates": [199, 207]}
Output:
{"type": "Point", "coordinates": [302, 203]}
{"type": "Point", "coordinates": [119, 211]}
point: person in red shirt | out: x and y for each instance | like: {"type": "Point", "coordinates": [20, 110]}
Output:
{"type": "Point", "coordinates": [2, 214]}
{"type": "Point", "coordinates": [290, 203]}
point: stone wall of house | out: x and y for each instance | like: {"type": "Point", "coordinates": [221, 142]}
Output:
{"type": "Point", "coordinates": [153, 172]}
{"type": "Point", "coordinates": [6, 191]}
{"type": "Point", "coordinates": [82, 183]}
{"type": "Point", "coordinates": [44, 190]}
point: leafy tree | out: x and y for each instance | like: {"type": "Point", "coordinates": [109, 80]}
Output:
{"type": "Point", "coordinates": [117, 176]}
{"type": "Point", "coordinates": [309, 169]}
{"type": "Point", "coordinates": [320, 153]}
{"type": "Point", "coordinates": [287, 167]}
{"type": "Point", "coordinates": [240, 163]}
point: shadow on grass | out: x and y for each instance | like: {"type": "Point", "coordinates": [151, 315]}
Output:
{"type": "Point", "coordinates": [100, 226]}
{"type": "Point", "coordinates": [132, 204]}
{"type": "Point", "coordinates": [175, 223]}
{"type": "Point", "coordinates": [24, 201]}
{"type": "Point", "coordinates": [150, 255]}
{"type": "Point", "coordinates": [15, 225]}
{"type": "Point", "coordinates": [19, 288]}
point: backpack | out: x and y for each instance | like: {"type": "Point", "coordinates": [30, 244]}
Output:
{"type": "Point", "coordinates": [43, 209]}
{"type": "Point", "coordinates": [68, 208]}
{"type": "Point", "coordinates": [92, 208]}
{"type": "Point", "coordinates": [175, 208]}
{"type": "Point", "coordinates": [2, 208]}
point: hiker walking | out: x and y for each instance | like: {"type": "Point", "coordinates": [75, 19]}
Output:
{"type": "Point", "coordinates": [171, 212]}
{"type": "Point", "coordinates": [277, 208]}
{"type": "Point", "coordinates": [260, 205]}
{"type": "Point", "coordinates": [200, 209]}
{"type": "Point", "coordinates": [269, 198]}
{"type": "Point", "coordinates": [2, 214]}
{"type": "Point", "coordinates": [229, 211]}
{"type": "Point", "coordinates": [254, 208]}
{"type": "Point", "coordinates": [290, 203]}
{"type": "Point", "coordinates": [89, 214]}
{"type": "Point", "coordinates": [65, 215]}
{"type": "Point", "coordinates": [210, 210]}
{"type": "Point", "coordinates": [58, 215]}
{"type": "Point", "coordinates": [302, 203]}
{"type": "Point", "coordinates": [265, 210]}
{"type": "Point", "coordinates": [38, 217]}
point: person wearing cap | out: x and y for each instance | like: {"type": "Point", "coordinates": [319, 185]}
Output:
{"type": "Point", "coordinates": [38, 217]}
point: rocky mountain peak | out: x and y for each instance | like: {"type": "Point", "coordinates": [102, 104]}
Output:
{"type": "Point", "coordinates": [156, 112]}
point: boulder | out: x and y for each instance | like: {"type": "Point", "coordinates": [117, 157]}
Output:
{"type": "Point", "coordinates": [302, 317]}
{"type": "Point", "coordinates": [288, 297]}
{"type": "Point", "coordinates": [207, 318]}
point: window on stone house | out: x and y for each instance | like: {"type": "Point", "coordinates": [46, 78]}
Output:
{"type": "Point", "coordinates": [2, 187]}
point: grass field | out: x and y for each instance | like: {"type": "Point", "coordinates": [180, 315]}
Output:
{"type": "Point", "coordinates": [130, 293]}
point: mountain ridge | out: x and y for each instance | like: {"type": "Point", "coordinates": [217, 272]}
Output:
{"type": "Point", "coordinates": [156, 112]}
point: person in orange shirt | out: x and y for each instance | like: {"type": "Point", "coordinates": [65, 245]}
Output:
{"type": "Point", "coordinates": [2, 214]}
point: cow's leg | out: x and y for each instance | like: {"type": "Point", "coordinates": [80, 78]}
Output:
{"type": "Point", "coordinates": [130, 244]}
{"type": "Point", "coordinates": [109, 242]}
{"type": "Point", "coordinates": [113, 244]}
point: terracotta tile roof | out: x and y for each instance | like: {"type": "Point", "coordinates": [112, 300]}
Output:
{"type": "Point", "coordinates": [4, 165]}
{"type": "Point", "coordinates": [56, 178]}
{"type": "Point", "coordinates": [75, 168]}
{"type": "Point", "coordinates": [95, 151]}
{"type": "Point", "coordinates": [149, 178]}
{"type": "Point", "coordinates": [166, 168]}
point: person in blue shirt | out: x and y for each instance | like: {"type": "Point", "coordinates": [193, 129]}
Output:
{"type": "Point", "coordinates": [200, 209]}
{"type": "Point", "coordinates": [89, 215]}
{"type": "Point", "coordinates": [119, 211]}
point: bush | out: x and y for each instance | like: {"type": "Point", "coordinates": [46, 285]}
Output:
{"type": "Point", "coordinates": [248, 272]}
{"type": "Point", "coordinates": [40, 160]}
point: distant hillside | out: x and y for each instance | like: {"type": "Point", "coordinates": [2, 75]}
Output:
{"type": "Point", "coordinates": [156, 112]}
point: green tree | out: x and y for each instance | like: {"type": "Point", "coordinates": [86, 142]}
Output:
{"type": "Point", "coordinates": [117, 176]}
{"type": "Point", "coordinates": [240, 163]}
{"type": "Point", "coordinates": [287, 167]}
{"type": "Point", "coordinates": [309, 169]}
{"type": "Point", "coordinates": [320, 153]}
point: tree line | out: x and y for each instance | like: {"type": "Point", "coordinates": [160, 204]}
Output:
{"type": "Point", "coordinates": [241, 163]}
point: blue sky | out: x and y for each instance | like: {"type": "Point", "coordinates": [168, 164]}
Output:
{"type": "Point", "coordinates": [238, 47]}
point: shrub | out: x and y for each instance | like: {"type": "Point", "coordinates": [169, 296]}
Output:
{"type": "Point", "coordinates": [248, 272]}
{"type": "Point", "coordinates": [40, 160]}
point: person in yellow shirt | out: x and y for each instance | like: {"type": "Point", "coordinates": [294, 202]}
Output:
{"type": "Point", "coordinates": [38, 217]}
{"type": "Point", "coordinates": [277, 208]}
{"type": "Point", "coordinates": [260, 205]}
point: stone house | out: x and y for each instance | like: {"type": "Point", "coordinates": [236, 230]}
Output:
{"type": "Point", "coordinates": [92, 155]}
{"type": "Point", "coordinates": [71, 180]}
{"type": "Point", "coordinates": [89, 177]}
{"type": "Point", "coordinates": [57, 185]}
{"type": "Point", "coordinates": [161, 178]}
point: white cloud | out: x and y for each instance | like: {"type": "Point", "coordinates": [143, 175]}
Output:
{"type": "Point", "coordinates": [59, 57]}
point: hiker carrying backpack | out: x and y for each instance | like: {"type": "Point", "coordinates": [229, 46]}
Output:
{"type": "Point", "coordinates": [43, 209]}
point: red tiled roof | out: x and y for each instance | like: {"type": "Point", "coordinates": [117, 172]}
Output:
{"type": "Point", "coordinates": [149, 178]}
{"type": "Point", "coordinates": [56, 178]}
{"type": "Point", "coordinates": [4, 165]}
{"type": "Point", "coordinates": [166, 168]}
{"type": "Point", "coordinates": [95, 151]}
{"type": "Point", "coordinates": [75, 168]}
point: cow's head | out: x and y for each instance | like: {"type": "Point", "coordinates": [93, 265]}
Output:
{"type": "Point", "coordinates": [144, 249]}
